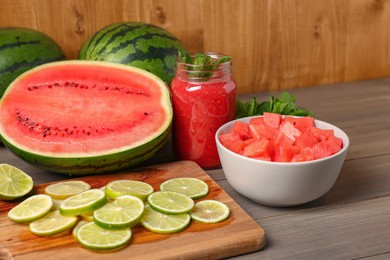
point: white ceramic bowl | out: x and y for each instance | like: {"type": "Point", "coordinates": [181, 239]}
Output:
{"type": "Point", "coordinates": [281, 183]}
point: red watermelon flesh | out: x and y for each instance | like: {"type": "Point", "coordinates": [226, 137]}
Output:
{"type": "Point", "coordinates": [102, 100]}
{"type": "Point", "coordinates": [296, 139]}
{"type": "Point", "coordinates": [272, 119]}
{"type": "Point", "coordinates": [232, 141]}
{"type": "Point", "coordinates": [92, 113]}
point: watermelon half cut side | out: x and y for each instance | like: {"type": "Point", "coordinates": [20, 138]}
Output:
{"type": "Point", "coordinates": [85, 117]}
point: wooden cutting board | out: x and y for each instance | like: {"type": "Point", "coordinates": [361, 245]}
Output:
{"type": "Point", "coordinates": [237, 235]}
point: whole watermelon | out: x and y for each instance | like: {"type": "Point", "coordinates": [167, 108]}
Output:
{"type": "Point", "coordinates": [138, 44]}
{"type": "Point", "coordinates": [22, 49]}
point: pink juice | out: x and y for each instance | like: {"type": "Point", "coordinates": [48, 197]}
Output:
{"type": "Point", "coordinates": [200, 108]}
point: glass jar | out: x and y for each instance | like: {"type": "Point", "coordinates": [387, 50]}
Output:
{"type": "Point", "coordinates": [203, 100]}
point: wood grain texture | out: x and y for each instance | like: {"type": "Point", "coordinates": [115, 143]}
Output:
{"type": "Point", "coordinates": [274, 44]}
{"type": "Point", "coordinates": [239, 234]}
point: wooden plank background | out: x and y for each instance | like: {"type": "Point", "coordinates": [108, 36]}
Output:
{"type": "Point", "coordinates": [275, 44]}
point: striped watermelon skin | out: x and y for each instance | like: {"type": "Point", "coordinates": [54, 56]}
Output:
{"type": "Point", "coordinates": [138, 44]}
{"type": "Point", "coordinates": [22, 49]}
{"type": "Point", "coordinates": [77, 166]}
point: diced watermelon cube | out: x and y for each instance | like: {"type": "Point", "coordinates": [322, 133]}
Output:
{"type": "Point", "coordinates": [336, 140]}
{"type": "Point", "coordinates": [250, 141]}
{"type": "Point", "coordinates": [232, 141]}
{"type": "Point", "coordinates": [289, 130]}
{"type": "Point", "coordinates": [285, 153]}
{"type": "Point", "coordinates": [301, 123]}
{"type": "Point", "coordinates": [272, 119]}
{"type": "Point", "coordinates": [321, 134]}
{"type": "Point", "coordinates": [281, 139]}
{"type": "Point", "coordinates": [262, 130]}
{"type": "Point", "coordinates": [242, 129]}
{"type": "Point", "coordinates": [258, 148]}
{"type": "Point", "coordinates": [304, 155]}
{"type": "Point", "coordinates": [257, 120]}
{"type": "Point", "coordinates": [324, 149]}
{"type": "Point", "coordinates": [306, 139]}
{"type": "Point", "coordinates": [332, 146]}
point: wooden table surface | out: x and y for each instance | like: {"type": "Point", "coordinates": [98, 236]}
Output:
{"type": "Point", "coordinates": [352, 221]}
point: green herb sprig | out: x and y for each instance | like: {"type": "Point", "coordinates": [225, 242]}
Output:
{"type": "Point", "coordinates": [202, 66]}
{"type": "Point", "coordinates": [284, 104]}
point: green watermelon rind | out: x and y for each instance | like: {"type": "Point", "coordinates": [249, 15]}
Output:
{"type": "Point", "coordinates": [113, 160]}
{"type": "Point", "coordinates": [22, 49]}
{"type": "Point", "coordinates": [96, 164]}
{"type": "Point", "coordinates": [138, 44]}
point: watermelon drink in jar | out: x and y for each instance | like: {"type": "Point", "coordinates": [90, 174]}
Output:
{"type": "Point", "coordinates": [204, 98]}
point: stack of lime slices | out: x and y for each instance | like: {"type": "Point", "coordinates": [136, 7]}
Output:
{"type": "Point", "coordinates": [171, 209]}
{"type": "Point", "coordinates": [108, 213]}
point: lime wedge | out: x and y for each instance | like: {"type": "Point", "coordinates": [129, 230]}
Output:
{"type": "Point", "coordinates": [31, 208]}
{"type": "Point", "coordinates": [118, 188]}
{"type": "Point", "coordinates": [66, 189]}
{"type": "Point", "coordinates": [192, 187]}
{"type": "Point", "coordinates": [84, 202]}
{"type": "Point", "coordinates": [14, 183]}
{"type": "Point", "coordinates": [170, 202]}
{"type": "Point", "coordinates": [52, 223]}
{"type": "Point", "coordinates": [158, 222]}
{"type": "Point", "coordinates": [124, 212]}
{"type": "Point", "coordinates": [94, 237]}
{"type": "Point", "coordinates": [210, 211]}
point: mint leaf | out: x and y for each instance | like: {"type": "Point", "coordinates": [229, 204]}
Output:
{"type": "Point", "coordinates": [284, 104]}
{"type": "Point", "coordinates": [185, 57]}
{"type": "Point", "coordinates": [204, 65]}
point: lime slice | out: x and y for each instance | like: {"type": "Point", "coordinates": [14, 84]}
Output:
{"type": "Point", "coordinates": [170, 202]}
{"type": "Point", "coordinates": [66, 189]}
{"type": "Point", "coordinates": [94, 237]}
{"type": "Point", "coordinates": [84, 202]}
{"type": "Point", "coordinates": [210, 211]}
{"type": "Point", "coordinates": [77, 227]}
{"type": "Point", "coordinates": [52, 223]}
{"type": "Point", "coordinates": [14, 183]}
{"type": "Point", "coordinates": [118, 188]}
{"type": "Point", "coordinates": [158, 222]}
{"type": "Point", "coordinates": [192, 187]}
{"type": "Point", "coordinates": [124, 212]}
{"type": "Point", "coordinates": [31, 208]}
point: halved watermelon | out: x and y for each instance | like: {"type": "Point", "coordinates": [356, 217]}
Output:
{"type": "Point", "coordinates": [85, 117]}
